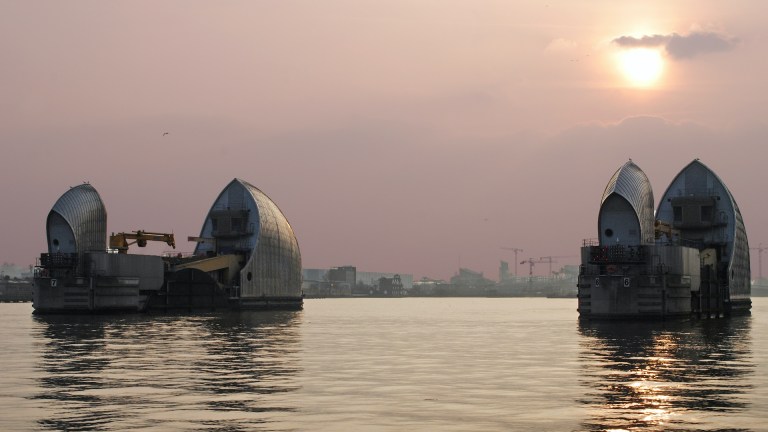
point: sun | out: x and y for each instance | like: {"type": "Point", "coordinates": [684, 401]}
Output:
{"type": "Point", "coordinates": [642, 67]}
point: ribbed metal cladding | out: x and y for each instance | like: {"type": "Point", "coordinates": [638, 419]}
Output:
{"type": "Point", "coordinates": [741, 288]}
{"type": "Point", "coordinates": [275, 264]}
{"type": "Point", "coordinates": [631, 183]}
{"type": "Point", "coordinates": [697, 179]}
{"type": "Point", "coordinates": [82, 208]}
{"type": "Point", "coordinates": [273, 268]}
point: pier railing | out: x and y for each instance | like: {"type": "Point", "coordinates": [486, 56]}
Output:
{"type": "Point", "coordinates": [58, 260]}
{"type": "Point", "coordinates": [617, 254]}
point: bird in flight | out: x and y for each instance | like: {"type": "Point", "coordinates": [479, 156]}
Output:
{"type": "Point", "coordinates": [165, 133]}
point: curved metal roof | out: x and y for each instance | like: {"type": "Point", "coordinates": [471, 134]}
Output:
{"type": "Point", "coordinates": [631, 183]}
{"type": "Point", "coordinates": [273, 268]}
{"type": "Point", "coordinates": [705, 184]}
{"type": "Point", "coordinates": [697, 179]}
{"type": "Point", "coordinates": [83, 210]}
{"type": "Point", "coordinates": [276, 263]}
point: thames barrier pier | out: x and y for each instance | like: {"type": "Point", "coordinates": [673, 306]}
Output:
{"type": "Point", "coordinates": [690, 258]}
{"type": "Point", "coordinates": [246, 257]}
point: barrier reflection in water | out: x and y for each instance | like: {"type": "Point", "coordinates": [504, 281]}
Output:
{"type": "Point", "coordinates": [691, 375]}
{"type": "Point", "coordinates": [216, 372]}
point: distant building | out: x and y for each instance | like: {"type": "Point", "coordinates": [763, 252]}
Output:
{"type": "Point", "coordinates": [372, 278]}
{"type": "Point", "coordinates": [342, 280]}
{"type": "Point", "coordinates": [346, 281]}
{"type": "Point", "coordinates": [389, 287]}
{"type": "Point", "coordinates": [503, 271]}
{"type": "Point", "coordinates": [314, 276]}
{"type": "Point", "coordinates": [15, 271]}
{"type": "Point", "coordinates": [333, 282]}
{"type": "Point", "coordinates": [315, 283]}
{"type": "Point", "coordinates": [470, 282]}
{"type": "Point", "coordinates": [430, 287]}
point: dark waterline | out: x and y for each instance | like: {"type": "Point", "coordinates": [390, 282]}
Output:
{"type": "Point", "coordinates": [383, 364]}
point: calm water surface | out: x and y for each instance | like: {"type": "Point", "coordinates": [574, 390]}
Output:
{"type": "Point", "coordinates": [445, 364]}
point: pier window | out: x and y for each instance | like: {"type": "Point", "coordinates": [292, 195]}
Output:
{"type": "Point", "coordinates": [677, 213]}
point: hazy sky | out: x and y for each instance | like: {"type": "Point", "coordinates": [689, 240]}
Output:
{"type": "Point", "coordinates": [407, 136]}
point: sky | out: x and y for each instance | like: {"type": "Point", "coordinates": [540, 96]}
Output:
{"type": "Point", "coordinates": [405, 136]}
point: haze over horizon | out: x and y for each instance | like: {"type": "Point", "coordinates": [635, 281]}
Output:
{"type": "Point", "coordinates": [396, 136]}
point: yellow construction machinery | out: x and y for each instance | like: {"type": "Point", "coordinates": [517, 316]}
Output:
{"type": "Point", "coordinates": [663, 228]}
{"type": "Point", "coordinates": [121, 241]}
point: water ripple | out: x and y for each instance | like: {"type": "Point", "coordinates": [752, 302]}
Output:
{"type": "Point", "coordinates": [383, 365]}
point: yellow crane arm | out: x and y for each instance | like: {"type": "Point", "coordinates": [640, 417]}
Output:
{"type": "Point", "coordinates": [120, 241]}
{"type": "Point", "coordinates": [661, 227]}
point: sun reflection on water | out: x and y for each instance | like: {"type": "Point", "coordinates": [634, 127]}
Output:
{"type": "Point", "coordinates": [655, 376]}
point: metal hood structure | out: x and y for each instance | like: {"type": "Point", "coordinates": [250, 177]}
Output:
{"type": "Point", "coordinates": [244, 220]}
{"type": "Point", "coordinates": [626, 208]}
{"type": "Point", "coordinates": [77, 222]}
{"type": "Point", "coordinates": [700, 206]}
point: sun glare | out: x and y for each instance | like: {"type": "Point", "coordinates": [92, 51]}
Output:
{"type": "Point", "coordinates": [642, 67]}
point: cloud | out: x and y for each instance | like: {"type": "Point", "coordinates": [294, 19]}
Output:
{"type": "Point", "coordinates": [681, 46]}
{"type": "Point", "coordinates": [561, 44]}
{"type": "Point", "coordinates": [643, 42]}
{"type": "Point", "coordinates": [699, 43]}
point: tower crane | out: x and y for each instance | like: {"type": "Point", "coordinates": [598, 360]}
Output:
{"type": "Point", "coordinates": [550, 260]}
{"type": "Point", "coordinates": [531, 262]}
{"type": "Point", "coordinates": [515, 250]}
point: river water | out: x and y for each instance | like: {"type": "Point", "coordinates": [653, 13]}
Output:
{"type": "Point", "coordinates": [408, 364]}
